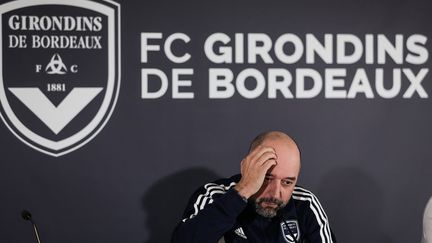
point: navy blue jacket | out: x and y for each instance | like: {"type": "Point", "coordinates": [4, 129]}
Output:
{"type": "Point", "coordinates": [216, 212]}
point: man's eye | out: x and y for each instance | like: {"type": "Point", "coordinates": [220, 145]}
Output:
{"type": "Point", "coordinates": [287, 183]}
{"type": "Point", "coordinates": [267, 178]}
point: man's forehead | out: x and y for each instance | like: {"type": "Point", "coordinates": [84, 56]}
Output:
{"type": "Point", "coordinates": [283, 173]}
{"type": "Point", "coordinates": [291, 177]}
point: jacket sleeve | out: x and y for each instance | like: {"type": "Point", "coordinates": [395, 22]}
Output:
{"type": "Point", "coordinates": [317, 224]}
{"type": "Point", "coordinates": [210, 213]}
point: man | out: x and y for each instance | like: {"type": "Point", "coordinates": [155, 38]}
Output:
{"type": "Point", "coordinates": [260, 205]}
{"type": "Point", "coordinates": [427, 223]}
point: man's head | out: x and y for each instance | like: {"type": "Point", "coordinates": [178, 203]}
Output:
{"type": "Point", "coordinates": [280, 179]}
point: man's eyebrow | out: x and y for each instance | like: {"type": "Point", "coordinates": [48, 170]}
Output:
{"type": "Point", "coordinates": [290, 178]}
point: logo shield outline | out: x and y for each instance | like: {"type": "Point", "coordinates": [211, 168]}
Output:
{"type": "Point", "coordinates": [58, 148]}
{"type": "Point", "coordinates": [293, 224]}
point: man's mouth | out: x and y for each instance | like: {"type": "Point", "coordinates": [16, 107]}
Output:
{"type": "Point", "coordinates": [269, 205]}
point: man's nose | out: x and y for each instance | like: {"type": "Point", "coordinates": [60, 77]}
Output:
{"type": "Point", "coordinates": [275, 189]}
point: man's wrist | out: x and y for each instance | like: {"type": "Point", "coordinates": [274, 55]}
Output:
{"type": "Point", "coordinates": [242, 197]}
{"type": "Point", "coordinates": [242, 191]}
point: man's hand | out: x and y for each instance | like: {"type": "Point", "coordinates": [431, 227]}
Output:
{"type": "Point", "coordinates": [254, 168]}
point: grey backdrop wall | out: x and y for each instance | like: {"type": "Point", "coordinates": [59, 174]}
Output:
{"type": "Point", "coordinates": [368, 160]}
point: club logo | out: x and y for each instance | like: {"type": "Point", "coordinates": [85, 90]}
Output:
{"type": "Point", "coordinates": [290, 230]}
{"type": "Point", "coordinates": [56, 66]}
{"type": "Point", "coordinates": [60, 72]}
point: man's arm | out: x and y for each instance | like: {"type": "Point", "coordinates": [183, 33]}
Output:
{"type": "Point", "coordinates": [211, 212]}
{"type": "Point", "coordinates": [318, 227]}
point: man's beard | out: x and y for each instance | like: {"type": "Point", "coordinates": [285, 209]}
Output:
{"type": "Point", "coordinates": [268, 212]}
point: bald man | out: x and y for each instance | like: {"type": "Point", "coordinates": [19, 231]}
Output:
{"type": "Point", "coordinates": [262, 204]}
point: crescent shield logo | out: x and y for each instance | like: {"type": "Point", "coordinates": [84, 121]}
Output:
{"type": "Point", "coordinates": [60, 72]}
{"type": "Point", "coordinates": [290, 229]}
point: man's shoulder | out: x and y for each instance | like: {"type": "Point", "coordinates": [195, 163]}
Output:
{"type": "Point", "coordinates": [219, 186]}
{"type": "Point", "coordinates": [303, 195]}
{"type": "Point", "coordinates": [222, 184]}
{"type": "Point", "coordinates": [227, 181]}
{"type": "Point", "coordinates": [306, 202]}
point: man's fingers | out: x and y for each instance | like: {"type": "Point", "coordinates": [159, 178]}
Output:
{"type": "Point", "coordinates": [262, 154]}
{"type": "Point", "coordinates": [260, 151]}
{"type": "Point", "coordinates": [268, 164]}
{"type": "Point", "coordinates": [266, 156]}
{"type": "Point", "coordinates": [242, 164]}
